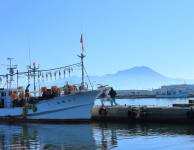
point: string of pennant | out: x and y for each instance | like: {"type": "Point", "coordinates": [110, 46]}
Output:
{"type": "Point", "coordinates": [53, 75]}
{"type": "Point", "coordinates": [56, 73]}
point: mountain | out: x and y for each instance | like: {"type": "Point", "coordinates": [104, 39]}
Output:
{"type": "Point", "coordinates": [135, 78]}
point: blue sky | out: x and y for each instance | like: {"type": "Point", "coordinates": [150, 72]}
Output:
{"type": "Point", "coordinates": [118, 34]}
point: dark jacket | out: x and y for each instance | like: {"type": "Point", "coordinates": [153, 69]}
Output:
{"type": "Point", "coordinates": [112, 93]}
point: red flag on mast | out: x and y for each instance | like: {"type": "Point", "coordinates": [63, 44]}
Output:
{"type": "Point", "coordinates": [81, 41]}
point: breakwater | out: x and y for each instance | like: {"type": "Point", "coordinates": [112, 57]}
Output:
{"type": "Point", "coordinates": [126, 96]}
{"type": "Point", "coordinates": [174, 114]}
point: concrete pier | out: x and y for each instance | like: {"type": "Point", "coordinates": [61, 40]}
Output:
{"type": "Point", "coordinates": [143, 114]}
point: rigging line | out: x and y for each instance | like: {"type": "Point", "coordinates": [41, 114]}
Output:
{"type": "Point", "coordinates": [20, 73]}
{"type": "Point", "coordinates": [77, 64]}
{"type": "Point", "coordinates": [89, 79]}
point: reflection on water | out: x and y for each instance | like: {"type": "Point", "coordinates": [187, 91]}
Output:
{"type": "Point", "coordinates": [44, 136]}
{"type": "Point", "coordinates": [144, 136]}
{"type": "Point", "coordinates": [96, 136]}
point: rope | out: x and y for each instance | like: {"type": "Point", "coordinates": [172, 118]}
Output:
{"type": "Point", "coordinates": [88, 79]}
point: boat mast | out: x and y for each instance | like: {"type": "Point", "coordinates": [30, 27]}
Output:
{"type": "Point", "coordinates": [82, 56]}
{"type": "Point", "coordinates": [7, 80]}
{"type": "Point", "coordinates": [33, 70]}
{"type": "Point", "coordinates": [82, 61]}
{"type": "Point", "coordinates": [17, 78]}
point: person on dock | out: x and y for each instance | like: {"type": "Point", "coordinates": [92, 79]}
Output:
{"type": "Point", "coordinates": [102, 97]}
{"type": "Point", "coordinates": [112, 93]}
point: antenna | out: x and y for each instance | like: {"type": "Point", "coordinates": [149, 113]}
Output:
{"type": "Point", "coordinates": [29, 56]}
{"type": "Point", "coordinates": [11, 69]}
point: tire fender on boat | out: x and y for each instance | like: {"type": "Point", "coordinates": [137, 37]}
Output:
{"type": "Point", "coordinates": [190, 114]}
{"type": "Point", "coordinates": [131, 113]}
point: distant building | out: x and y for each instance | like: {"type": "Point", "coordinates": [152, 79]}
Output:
{"type": "Point", "coordinates": [134, 92]}
{"type": "Point", "coordinates": [179, 88]}
{"type": "Point", "coordinates": [164, 90]}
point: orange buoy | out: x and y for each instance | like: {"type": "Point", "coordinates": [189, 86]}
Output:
{"type": "Point", "coordinates": [54, 88]}
{"type": "Point", "coordinates": [72, 89]}
{"type": "Point", "coordinates": [13, 95]}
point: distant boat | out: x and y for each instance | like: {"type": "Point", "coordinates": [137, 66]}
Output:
{"type": "Point", "coordinates": [172, 95]}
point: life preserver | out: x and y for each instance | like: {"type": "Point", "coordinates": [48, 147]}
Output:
{"type": "Point", "coordinates": [43, 89]}
{"type": "Point", "coordinates": [24, 112]}
{"type": "Point", "coordinates": [102, 112]}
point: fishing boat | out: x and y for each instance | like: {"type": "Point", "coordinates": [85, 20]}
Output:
{"type": "Point", "coordinates": [71, 103]}
{"type": "Point", "coordinates": [71, 107]}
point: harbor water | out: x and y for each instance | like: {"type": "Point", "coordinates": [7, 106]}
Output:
{"type": "Point", "coordinates": [97, 136]}
{"type": "Point", "coordinates": [102, 136]}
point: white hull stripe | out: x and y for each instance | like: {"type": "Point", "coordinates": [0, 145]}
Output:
{"type": "Point", "coordinates": [57, 110]}
{"type": "Point", "coordinates": [48, 112]}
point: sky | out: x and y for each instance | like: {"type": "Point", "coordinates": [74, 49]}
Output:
{"type": "Point", "coordinates": [117, 34]}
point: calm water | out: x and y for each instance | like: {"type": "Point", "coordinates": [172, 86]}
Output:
{"type": "Point", "coordinates": [115, 136]}
{"type": "Point", "coordinates": [97, 136]}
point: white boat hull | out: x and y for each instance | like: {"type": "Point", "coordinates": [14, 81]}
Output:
{"type": "Point", "coordinates": [75, 107]}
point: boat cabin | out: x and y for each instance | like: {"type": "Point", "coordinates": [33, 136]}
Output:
{"type": "Point", "coordinates": [5, 99]}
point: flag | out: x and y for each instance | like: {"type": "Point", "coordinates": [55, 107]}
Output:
{"type": "Point", "coordinates": [81, 41]}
